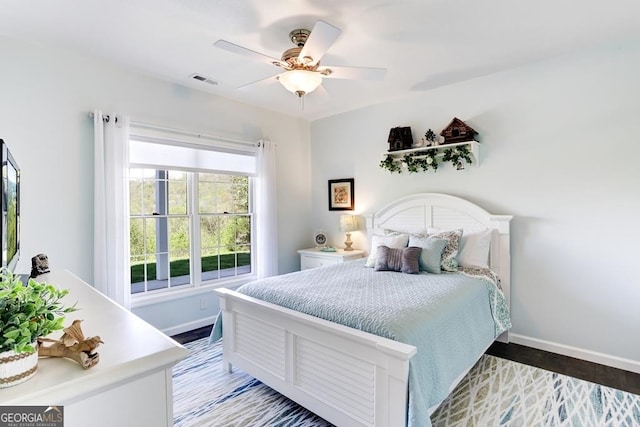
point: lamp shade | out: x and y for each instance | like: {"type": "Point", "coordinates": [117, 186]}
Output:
{"type": "Point", "coordinates": [349, 223]}
{"type": "Point", "coordinates": [300, 82]}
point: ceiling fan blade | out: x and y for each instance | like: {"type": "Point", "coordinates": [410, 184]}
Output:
{"type": "Point", "coordinates": [355, 73]}
{"type": "Point", "coordinates": [260, 83]}
{"type": "Point", "coordinates": [234, 48]}
{"type": "Point", "coordinates": [320, 93]}
{"type": "Point", "coordinates": [320, 40]}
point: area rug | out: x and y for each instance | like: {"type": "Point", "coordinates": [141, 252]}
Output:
{"type": "Point", "coordinates": [496, 392]}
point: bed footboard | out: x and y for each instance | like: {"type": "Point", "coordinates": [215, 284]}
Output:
{"type": "Point", "coordinates": [346, 376]}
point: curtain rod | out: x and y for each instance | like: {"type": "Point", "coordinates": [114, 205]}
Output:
{"type": "Point", "coordinates": [180, 131]}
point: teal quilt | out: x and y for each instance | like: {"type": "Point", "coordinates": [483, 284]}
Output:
{"type": "Point", "coordinates": [449, 317]}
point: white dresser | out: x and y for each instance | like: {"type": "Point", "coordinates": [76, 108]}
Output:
{"type": "Point", "coordinates": [314, 257]}
{"type": "Point", "coordinates": [131, 386]}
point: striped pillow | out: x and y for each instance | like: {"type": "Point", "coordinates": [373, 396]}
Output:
{"type": "Point", "coordinates": [404, 260]}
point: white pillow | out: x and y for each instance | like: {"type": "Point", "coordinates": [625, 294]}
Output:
{"type": "Point", "coordinates": [474, 248]}
{"type": "Point", "coordinates": [394, 241]}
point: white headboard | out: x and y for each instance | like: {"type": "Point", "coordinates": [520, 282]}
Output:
{"type": "Point", "coordinates": [419, 212]}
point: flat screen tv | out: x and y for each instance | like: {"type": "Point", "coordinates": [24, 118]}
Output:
{"type": "Point", "coordinates": [10, 224]}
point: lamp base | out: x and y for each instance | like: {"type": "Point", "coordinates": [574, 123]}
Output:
{"type": "Point", "coordinates": [348, 243]}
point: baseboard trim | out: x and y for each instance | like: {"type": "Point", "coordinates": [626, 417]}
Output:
{"type": "Point", "coordinates": [578, 353]}
{"type": "Point", "coordinates": [190, 326]}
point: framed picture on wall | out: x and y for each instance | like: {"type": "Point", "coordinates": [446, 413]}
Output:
{"type": "Point", "coordinates": [341, 194]}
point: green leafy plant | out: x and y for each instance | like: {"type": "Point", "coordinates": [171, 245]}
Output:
{"type": "Point", "coordinates": [411, 162]}
{"type": "Point", "coordinates": [28, 312]}
{"type": "Point", "coordinates": [430, 136]}
{"type": "Point", "coordinates": [457, 155]}
{"type": "Point", "coordinates": [428, 161]}
{"type": "Point", "coordinates": [389, 164]}
{"type": "Point", "coordinates": [424, 161]}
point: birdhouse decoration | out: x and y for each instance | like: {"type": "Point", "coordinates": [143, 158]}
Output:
{"type": "Point", "coordinates": [400, 138]}
{"type": "Point", "coordinates": [458, 131]}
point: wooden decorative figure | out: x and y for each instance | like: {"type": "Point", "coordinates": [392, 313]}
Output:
{"type": "Point", "coordinates": [458, 131]}
{"type": "Point", "coordinates": [72, 345]}
{"type": "Point", "coordinates": [400, 138]}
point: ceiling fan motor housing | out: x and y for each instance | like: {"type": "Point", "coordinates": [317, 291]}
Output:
{"type": "Point", "coordinates": [292, 56]}
{"type": "Point", "coordinates": [299, 37]}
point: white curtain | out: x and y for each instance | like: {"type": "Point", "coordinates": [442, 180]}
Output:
{"type": "Point", "coordinates": [111, 207]}
{"type": "Point", "coordinates": [266, 211]}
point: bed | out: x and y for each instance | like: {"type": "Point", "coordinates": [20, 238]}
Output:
{"type": "Point", "coordinates": [347, 375]}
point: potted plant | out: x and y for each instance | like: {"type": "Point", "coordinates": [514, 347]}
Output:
{"type": "Point", "coordinates": [27, 312]}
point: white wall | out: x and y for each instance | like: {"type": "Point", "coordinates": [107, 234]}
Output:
{"type": "Point", "coordinates": [46, 95]}
{"type": "Point", "coordinates": [560, 152]}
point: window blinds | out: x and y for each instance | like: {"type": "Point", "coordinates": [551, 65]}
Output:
{"type": "Point", "coordinates": [171, 154]}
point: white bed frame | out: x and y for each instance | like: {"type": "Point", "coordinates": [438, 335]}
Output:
{"type": "Point", "coordinates": [346, 376]}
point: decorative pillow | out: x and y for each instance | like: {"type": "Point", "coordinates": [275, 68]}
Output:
{"type": "Point", "coordinates": [449, 261]}
{"type": "Point", "coordinates": [431, 254]}
{"type": "Point", "coordinates": [474, 249]}
{"type": "Point", "coordinates": [404, 260]}
{"type": "Point", "coordinates": [397, 241]}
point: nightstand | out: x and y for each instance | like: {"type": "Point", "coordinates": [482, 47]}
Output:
{"type": "Point", "coordinates": [314, 257]}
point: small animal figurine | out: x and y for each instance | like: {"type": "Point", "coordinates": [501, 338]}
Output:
{"type": "Point", "coordinates": [39, 265]}
{"type": "Point", "coordinates": [72, 345]}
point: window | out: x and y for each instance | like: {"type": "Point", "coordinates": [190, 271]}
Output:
{"type": "Point", "coordinates": [168, 240]}
{"type": "Point", "coordinates": [188, 225]}
{"type": "Point", "coordinates": [225, 225]}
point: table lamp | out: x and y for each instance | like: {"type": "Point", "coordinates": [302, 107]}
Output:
{"type": "Point", "coordinates": [348, 223]}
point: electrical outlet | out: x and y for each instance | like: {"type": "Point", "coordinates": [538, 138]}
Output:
{"type": "Point", "coordinates": [203, 303]}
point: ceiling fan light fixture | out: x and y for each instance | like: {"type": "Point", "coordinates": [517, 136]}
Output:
{"type": "Point", "coordinates": [300, 82]}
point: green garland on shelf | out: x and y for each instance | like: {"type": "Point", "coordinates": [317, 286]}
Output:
{"type": "Point", "coordinates": [421, 162]}
{"type": "Point", "coordinates": [424, 160]}
{"type": "Point", "coordinates": [456, 155]}
{"type": "Point", "coordinates": [429, 161]}
{"type": "Point", "coordinates": [389, 164]}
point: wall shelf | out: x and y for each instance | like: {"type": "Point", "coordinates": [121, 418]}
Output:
{"type": "Point", "coordinates": [418, 153]}
{"type": "Point", "coordinates": [474, 146]}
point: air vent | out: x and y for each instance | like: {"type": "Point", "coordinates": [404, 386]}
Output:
{"type": "Point", "coordinates": [204, 79]}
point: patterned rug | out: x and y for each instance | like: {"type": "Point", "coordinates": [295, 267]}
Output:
{"type": "Point", "coordinates": [496, 392]}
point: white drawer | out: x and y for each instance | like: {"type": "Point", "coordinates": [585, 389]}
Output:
{"type": "Point", "coordinates": [307, 262]}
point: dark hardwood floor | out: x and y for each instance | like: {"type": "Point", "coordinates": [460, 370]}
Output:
{"type": "Point", "coordinates": [196, 334]}
{"type": "Point", "coordinates": [588, 371]}
{"type": "Point", "coordinates": [577, 368]}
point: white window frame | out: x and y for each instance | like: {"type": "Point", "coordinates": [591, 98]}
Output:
{"type": "Point", "coordinates": [197, 286]}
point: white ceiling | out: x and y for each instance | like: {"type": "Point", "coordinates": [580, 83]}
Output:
{"type": "Point", "coordinates": [423, 44]}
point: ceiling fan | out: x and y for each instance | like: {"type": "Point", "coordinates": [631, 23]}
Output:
{"type": "Point", "coordinates": [301, 64]}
